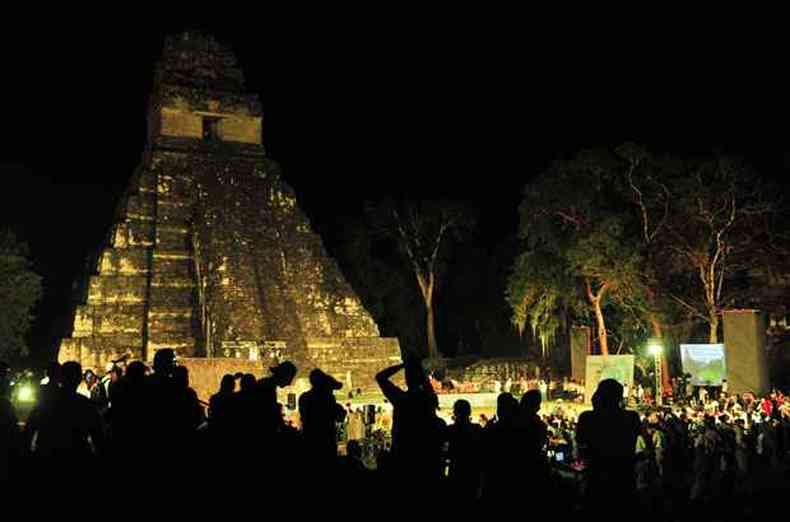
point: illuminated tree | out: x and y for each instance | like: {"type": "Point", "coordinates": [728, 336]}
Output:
{"type": "Point", "coordinates": [423, 230]}
{"type": "Point", "coordinates": [20, 289]}
{"type": "Point", "coordinates": [718, 232]}
{"type": "Point", "coordinates": [578, 255]}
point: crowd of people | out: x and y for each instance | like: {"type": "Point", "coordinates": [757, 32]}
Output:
{"type": "Point", "coordinates": [130, 423]}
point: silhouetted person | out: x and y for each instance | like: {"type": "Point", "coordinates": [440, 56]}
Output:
{"type": "Point", "coordinates": [502, 445]}
{"type": "Point", "coordinates": [319, 413]}
{"type": "Point", "coordinates": [66, 433]}
{"type": "Point", "coordinates": [97, 393]}
{"type": "Point", "coordinates": [51, 387]}
{"type": "Point", "coordinates": [10, 438]}
{"type": "Point", "coordinates": [418, 435]}
{"type": "Point", "coordinates": [534, 434]}
{"type": "Point", "coordinates": [247, 407]}
{"type": "Point", "coordinates": [188, 407]}
{"type": "Point", "coordinates": [281, 376]}
{"type": "Point", "coordinates": [163, 427]}
{"type": "Point", "coordinates": [220, 407]}
{"type": "Point", "coordinates": [464, 453]}
{"type": "Point", "coordinates": [352, 463]}
{"type": "Point", "coordinates": [606, 437]}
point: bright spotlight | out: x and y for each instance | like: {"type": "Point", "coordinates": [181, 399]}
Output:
{"type": "Point", "coordinates": [654, 347]}
{"type": "Point", "coordinates": [26, 393]}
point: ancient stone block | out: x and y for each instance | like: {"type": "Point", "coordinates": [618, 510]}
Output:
{"type": "Point", "coordinates": [117, 289]}
{"type": "Point", "coordinates": [173, 238]}
{"type": "Point", "coordinates": [126, 261]}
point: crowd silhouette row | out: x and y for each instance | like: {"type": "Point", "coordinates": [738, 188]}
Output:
{"type": "Point", "coordinates": [155, 424]}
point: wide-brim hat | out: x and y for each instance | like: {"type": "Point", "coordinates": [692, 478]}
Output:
{"type": "Point", "coordinates": [320, 379]}
{"type": "Point", "coordinates": [284, 368]}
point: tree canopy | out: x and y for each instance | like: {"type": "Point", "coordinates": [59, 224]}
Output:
{"type": "Point", "coordinates": [627, 238]}
{"type": "Point", "coordinates": [578, 256]}
{"type": "Point", "coordinates": [20, 289]}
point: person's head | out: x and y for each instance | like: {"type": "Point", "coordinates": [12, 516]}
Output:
{"type": "Point", "coordinates": [506, 406]}
{"type": "Point", "coordinates": [247, 382]}
{"type": "Point", "coordinates": [283, 374]}
{"type": "Point", "coordinates": [530, 402]}
{"type": "Point", "coordinates": [227, 384]}
{"type": "Point", "coordinates": [354, 449]}
{"type": "Point", "coordinates": [608, 395]}
{"type": "Point", "coordinates": [135, 372]}
{"type": "Point", "coordinates": [415, 374]}
{"type": "Point", "coordinates": [322, 381]}
{"type": "Point", "coordinates": [89, 377]}
{"type": "Point", "coordinates": [462, 411]}
{"type": "Point", "coordinates": [54, 373]}
{"type": "Point", "coordinates": [165, 362]}
{"type": "Point", "coordinates": [71, 376]}
{"type": "Point", "coordinates": [181, 376]}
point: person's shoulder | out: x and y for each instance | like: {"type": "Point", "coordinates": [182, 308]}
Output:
{"type": "Point", "coordinates": [84, 405]}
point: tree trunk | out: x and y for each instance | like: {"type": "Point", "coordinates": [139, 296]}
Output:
{"type": "Point", "coordinates": [595, 302]}
{"type": "Point", "coordinates": [600, 327]}
{"type": "Point", "coordinates": [714, 328]}
{"type": "Point", "coordinates": [433, 348]}
{"type": "Point", "coordinates": [426, 285]}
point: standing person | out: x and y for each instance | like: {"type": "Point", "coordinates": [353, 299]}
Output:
{"type": "Point", "coordinates": [68, 430]}
{"type": "Point", "coordinates": [10, 438]}
{"type": "Point", "coordinates": [96, 392]}
{"type": "Point", "coordinates": [220, 407]}
{"type": "Point", "coordinates": [281, 376]}
{"type": "Point", "coordinates": [606, 437]}
{"type": "Point", "coordinates": [356, 424]}
{"type": "Point", "coordinates": [533, 439]}
{"type": "Point", "coordinates": [703, 395]}
{"type": "Point", "coordinates": [464, 439]}
{"type": "Point", "coordinates": [50, 385]}
{"type": "Point", "coordinates": [502, 442]}
{"type": "Point", "coordinates": [418, 435]}
{"type": "Point", "coordinates": [319, 413]}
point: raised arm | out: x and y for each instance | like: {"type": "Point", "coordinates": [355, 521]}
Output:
{"type": "Point", "coordinates": [391, 392]}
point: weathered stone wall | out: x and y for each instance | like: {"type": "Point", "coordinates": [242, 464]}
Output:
{"type": "Point", "coordinates": [205, 374]}
{"type": "Point", "coordinates": [355, 359]}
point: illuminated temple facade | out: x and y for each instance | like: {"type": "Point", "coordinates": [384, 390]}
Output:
{"type": "Point", "coordinates": [210, 253]}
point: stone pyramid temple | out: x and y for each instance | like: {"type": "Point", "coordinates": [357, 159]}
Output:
{"type": "Point", "coordinates": [210, 253]}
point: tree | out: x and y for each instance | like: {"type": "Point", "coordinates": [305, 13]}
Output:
{"type": "Point", "coordinates": [423, 230]}
{"type": "Point", "coordinates": [578, 251]}
{"type": "Point", "coordinates": [717, 234]}
{"type": "Point", "coordinates": [20, 289]}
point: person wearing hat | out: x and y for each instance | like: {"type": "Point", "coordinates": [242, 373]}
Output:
{"type": "Point", "coordinates": [319, 413]}
{"type": "Point", "coordinates": [281, 376]}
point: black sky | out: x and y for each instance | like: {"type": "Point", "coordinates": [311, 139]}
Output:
{"type": "Point", "coordinates": [362, 105]}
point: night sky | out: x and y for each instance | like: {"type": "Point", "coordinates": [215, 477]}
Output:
{"type": "Point", "coordinates": [457, 107]}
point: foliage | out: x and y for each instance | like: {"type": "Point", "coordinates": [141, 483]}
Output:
{"type": "Point", "coordinates": [579, 255]}
{"type": "Point", "coordinates": [20, 289]}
